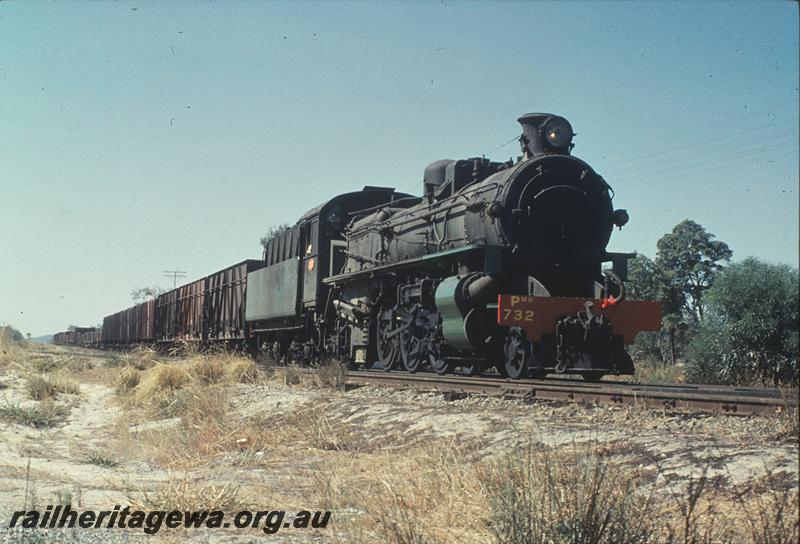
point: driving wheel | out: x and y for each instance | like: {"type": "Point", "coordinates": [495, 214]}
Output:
{"type": "Point", "coordinates": [436, 358]}
{"type": "Point", "coordinates": [516, 351]}
{"type": "Point", "coordinates": [411, 347]}
{"type": "Point", "coordinates": [388, 346]}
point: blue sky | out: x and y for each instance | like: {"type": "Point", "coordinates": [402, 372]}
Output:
{"type": "Point", "coordinates": [137, 137]}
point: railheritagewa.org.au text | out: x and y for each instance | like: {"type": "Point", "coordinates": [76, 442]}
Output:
{"type": "Point", "coordinates": [150, 522]}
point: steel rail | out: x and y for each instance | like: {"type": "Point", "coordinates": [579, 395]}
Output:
{"type": "Point", "coordinates": [722, 399]}
{"type": "Point", "coordinates": [718, 399]}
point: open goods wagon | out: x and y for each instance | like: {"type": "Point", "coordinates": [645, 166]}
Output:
{"type": "Point", "coordinates": [132, 325]}
{"type": "Point", "coordinates": [225, 302]}
{"type": "Point", "coordinates": [209, 309]}
{"type": "Point", "coordinates": [81, 336]}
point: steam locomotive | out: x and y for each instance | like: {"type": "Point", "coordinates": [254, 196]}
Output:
{"type": "Point", "coordinates": [498, 264]}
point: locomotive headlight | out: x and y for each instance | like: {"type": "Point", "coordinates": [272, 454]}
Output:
{"type": "Point", "coordinates": [621, 218]}
{"type": "Point", "coordinates": [557, 132]}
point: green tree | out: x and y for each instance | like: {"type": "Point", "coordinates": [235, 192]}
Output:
{"type": "Point", "coordinates": [750, 332]}
{"type": "Point", "coordinates": [647, 280]}
{"type": "Point", "coordinates": [688, 258]}
{"type": "Point", "coordinates": [146, 293]}
{"type": "Point", "coordinates": [644, 283]}
{"type": "Point", "coordinates": [272, 232]}
{"type": "Point", "coordinates": [13, 334]}
{"type": "Point", "coordinates": [643, 279]}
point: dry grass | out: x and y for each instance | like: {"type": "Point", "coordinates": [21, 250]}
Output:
{"type": "Point", "coordinates": [101, 460]}
{"type": "Point", "coordinates": [206, 430]}
{"type": "Point", "coordinates": [162, 386]}
{"type": "Point", "coordinates": [442, 481]}
{"type": "Point", "coordinates": [140, 358]}
{"type": "Point", "coordinates": [410, 488]}
{"type": "Point", "coordinates": [543, 495]}
{"type": "Point", "coordinates": [331, 374]}
{"type": "Point", "coordinates": [187, 493]}
{"type": "Point", "coordinates": [184, 348]}
{"type": "Point", "coordinates": [769, 512]}
{"type": "Point", "coordinates": [153, 393]}
{"type": "Point", "coordinates": [44, 415]}
{"type": "Point", "coordinates": [441, 492]}
{"type": "Point", "coordinates": [317, 430]}
{"type": "Point", "coordinates": [292, 375]}
{"type": "Point", "coordinates": [10, 351]}
{"type": "Point", "coordinates": [27, 357]}
{"type": "Point", "coordinates": [47, 387]}
{"type": "Point", "coordinates": [426, 493]}
{"type": "Point", "coordinates": [45, 364]}
{"type": "Point", "coordinates": [209, 430]}
{"type": "Point", "coordinates": [195, 390]}
{"type": "Point", "coordinates": [655, 371]}
{"type": "Point", "coordinates": [788, 419]}
{"type": "Point", "coordinates": [242, 371]}
{"type": "Point", "coordinates": [207, 370]}
{"type": "Point", "coordinates": [160, 381]}
{"type": "Point", "coordinates": [127, 380]}
{"type": "Point", "coordinates": [40, 388]}
{"type": "Point", "coordinates": [308, 429]}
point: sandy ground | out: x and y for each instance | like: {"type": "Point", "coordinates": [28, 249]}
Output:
{"type": "Point", "coordinates": [47, 465]}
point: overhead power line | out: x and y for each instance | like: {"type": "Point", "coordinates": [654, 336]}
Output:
{"type": "Point", "coordinates": [773, 113]}
{"type": "Point", "coordinates": [701, 152]}
{"type": "Point", "coordinates": [703, 141]}
{"type": "Point", "coordinates": [726, 162]}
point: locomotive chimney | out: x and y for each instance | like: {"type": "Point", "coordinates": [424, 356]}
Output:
{"type": "Point", "coordinates": [544, 133]}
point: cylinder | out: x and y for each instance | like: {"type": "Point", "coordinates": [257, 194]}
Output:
{"type": "Point", "coordinates": [460, 302]}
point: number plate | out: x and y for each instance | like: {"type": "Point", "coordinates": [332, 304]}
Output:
{"type": "Point", "coordinates": [538, 315]}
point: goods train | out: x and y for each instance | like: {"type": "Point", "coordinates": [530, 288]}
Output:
{"type": "Point", "coordinates": [79, 336]}
{"type": "Point", "coordinates": [497, 264]}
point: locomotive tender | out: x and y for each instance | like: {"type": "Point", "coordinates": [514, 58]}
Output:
{"type": "Point", "coordinates": [497, 264]}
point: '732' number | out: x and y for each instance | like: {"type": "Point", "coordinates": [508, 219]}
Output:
{"type": "Point", "coordinates": [517, 315]}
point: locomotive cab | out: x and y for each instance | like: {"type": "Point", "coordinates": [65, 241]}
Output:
{"type": "Point", "coordinates": [287, 300]}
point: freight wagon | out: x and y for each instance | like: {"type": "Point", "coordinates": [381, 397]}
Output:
{"type": "Point", "coordinates": [80, 336]}
{"type": "Point", "coordinates": [211, 309]}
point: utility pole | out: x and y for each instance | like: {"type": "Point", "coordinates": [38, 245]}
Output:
{"type": "Point", "coordinates": [175, 274]}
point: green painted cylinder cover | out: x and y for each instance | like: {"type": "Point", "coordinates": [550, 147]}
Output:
{"type": "Point", "coordinates": [447, 306]}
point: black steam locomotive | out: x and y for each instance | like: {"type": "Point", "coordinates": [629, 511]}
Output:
{"type": "Point", "coordinates": [498, 264]}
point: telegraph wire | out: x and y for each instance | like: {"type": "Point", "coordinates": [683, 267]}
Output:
{"type": "Point", "coordinates": [772, 112]}
{"type": "Point", "coordinates": [682, 178]}
{"type": "Point", "coordinates": [739, 147]}
{"type": "Point", "coordinates": [691, 168]}
{"type": "Point", "coordinates": [722, 157]}
{"type": "Point", "coordinates": [699, 142]}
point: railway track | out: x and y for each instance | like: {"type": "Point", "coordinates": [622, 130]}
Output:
{"type": "Point", "coordinates": [719, 399]}
{"type": "Point", "coordinates": [687, 397]}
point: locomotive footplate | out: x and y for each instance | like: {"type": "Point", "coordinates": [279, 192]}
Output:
{"type": "Point", "coordinates": [576, 334]}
